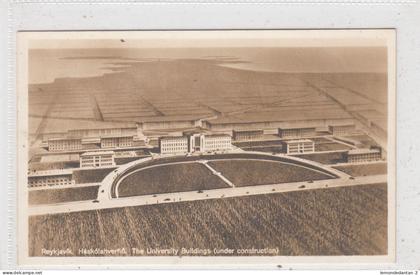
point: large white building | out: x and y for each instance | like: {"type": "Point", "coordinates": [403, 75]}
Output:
{"type": "Point", "coordinates": [50, 178]}
{"type": "Point", "coordinates": [342, 130]}
{"type": "Point", "coordinates": [117, 141]}
{"type": "Point", "coordinates": [195, 143]}
{"type": "Point", "coordinates": [97, 159]}
{"type": "Point", "coordinates": [298, 146]}
{"type": "Point", "coordinates": [245, 135]}
{"type": "Point", "coordinates": [294, 133]}
{"type": "Point", "coordinates": [91, 143]}
{"type": "Point", "coordinates": [208, 143]}
{"type": "Point", "coordinates": [364, 155]}
{"type": "Point", "coordinates": [103, 132]}
{"type": "Point", "coordinates": [173, 145]}
{"type": "Point", "coordinates": [169, 122]}
{"type": "Point", "coordinates": [64, 144]}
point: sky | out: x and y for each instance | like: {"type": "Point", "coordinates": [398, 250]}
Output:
{"type": "Point", "coordinates": [84, 54]}
{"type": "Point", "coordinates": [47, 64]}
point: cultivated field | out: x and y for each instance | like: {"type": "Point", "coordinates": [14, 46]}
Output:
{"type": "Point", "coordinates": [132, 94]}
{"type": "Point", "coordinates": [336, 221]}
{"type": "Point", "coordinates": [62, 195]}
{"type": "Point", "coordinates": [169, 178]}
{"type": "Point", "coordinates": [365, 169]}
{"type": "Point", "coordinates": [254, 172]}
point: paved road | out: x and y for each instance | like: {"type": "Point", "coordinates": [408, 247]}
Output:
{"type": "Point", "coordinates": [216, 173]}
{"type": "Point", "coordinates": [109, 181]}
{"type": "Point", "coordinates": [68, 186]}
{"type": "Point", "coordinates": [205, 195]}
{"type": "Point", "coordinates": [205, 163]}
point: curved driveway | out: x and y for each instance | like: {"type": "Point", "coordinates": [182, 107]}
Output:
{"type": "Point", "coordinates": [110, 183]}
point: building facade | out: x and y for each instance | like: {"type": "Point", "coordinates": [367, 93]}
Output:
{"type": "Point", "coordinates": [246, 135]}
{"type": "Point", "coordinates": [173, 123]}
{"type": "Point", "coordinates": [103, 132]}
{"type": "Point", "coordinates": [364, 155]}
{"type": "Point", "coordinates": [342, 130]}
{"type": "Point", "coordinates": [298, 146]}
{"type": "Point", "coordinates": [114, 142]}
{"type": "Point", "coordinates": [216, 143]}
{"type": "Point", "coordinates": [195, 143]}
{"type": "Point", "coordinates": [296, 132]}
{"type": "Point", "coordinates": [49, 180]}
{"type": "Point", "coordinates": [173, 145]}
{"type": "Point", "coordinates": [97, 159]}
{"type": "Point", "coordinates": [64, 144]}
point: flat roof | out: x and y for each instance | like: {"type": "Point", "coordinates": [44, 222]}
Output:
{"type": "Point", "coordinates": [173, 137]}
{"type": "Point", "coordinates": [363, 151]}
{"type": "Point", "coordinates": [65, 138]}
{"type": "Point", "coordinates": [217, 135]}
{"type": "Point", "coordinates": [343, 125]}
{"type": "Point", "coordinates": [295, 128]}
{"type": "Point", "coordinates": [96, 153]}
{"type": "Point", "coordinates": [297, 141]}
{"type": "Point", "coordinates": [249, 130]}
{"type": "Point", "coordinates": [171, 118]}
{"type": "Point", "coordinates": [282, 116]}
{"type": "Point", "coordinates": [50, 173]}
{"type": "Point", "coordinates": [116, 136]}
{"type": "Point", "coordinates": [105, 126]}
{"type": "Point", "coordinates": [88, 140]}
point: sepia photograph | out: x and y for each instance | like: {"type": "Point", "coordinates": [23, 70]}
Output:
{"type": "Point", "coordinates": [206, 145]}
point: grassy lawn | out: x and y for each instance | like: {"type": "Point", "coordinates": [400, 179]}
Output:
{"type": "Point", "coordinates": [365, 169]}
{"type": "Point", "coordinates": [62, 195]}
{"type": "Point", "coordinates": [336, 221]}
{"type": "Point", "coordinates": [252, 172]}
{"type": "Point", "coordinates": [92, 175]}
{"type": "Point", "coordinates": [170, 178]}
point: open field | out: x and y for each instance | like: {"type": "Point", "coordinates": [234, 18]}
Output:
{"type": "Point", "coordinates": [324, 158]}
{"type": "Point", "coordinates": [254, 172]}
{"type": "Point", "coordinates": [132, 94]}
{"type": "Point", "coordinates": [365, 169]}
{"type": "Point", "coordinates": [169, 178]}
{"type": "Point", "coordinates": [336, 221]}
{"type": "Point", "coordinates": [48, 196]}
{"type": "Point", "coordinates": [91, 175]}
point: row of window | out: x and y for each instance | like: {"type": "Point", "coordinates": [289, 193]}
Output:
{"type": "Point", "coordinates": [296, 133]}
{"type": "Point", "coordinates": [64, 145]}
{"type": "Point", "coordinates": [247, 136]}
{"type": "Point", "coordinates": [364, 157]}
{"type": "Point", "coordinates": [39, 182]}
{"type": "Point", "coordinates": [300, 148]}
{"type": "Point", "coordinates": [174, 144]}
{"type": "Point", "coordinates": [174, 149]}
